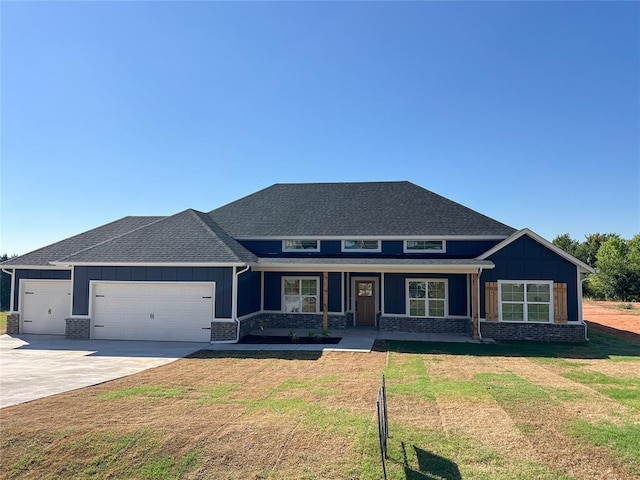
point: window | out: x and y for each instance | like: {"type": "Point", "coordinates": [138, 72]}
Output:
{"type": "Point", "coordinates": [525, 301]}
{"type": "Point", "coordinates": [421, 246]}
{"type": "Point", "coordinates": [297, 245]}
{"type": "Point", "coordinates": [361, 245]}
{"type": "Point", "coordinates": [427, 298]}
{"type": "Point", "coordinates": [300, 294]}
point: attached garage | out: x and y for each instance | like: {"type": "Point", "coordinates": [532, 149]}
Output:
{"type": "Point", "coordinates": [180, 311]}
{"type": "Point", "coordinates": [45, 305]}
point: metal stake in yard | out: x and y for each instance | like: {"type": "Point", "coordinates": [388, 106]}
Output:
{"type": "Point", "coordinates": [383, 425]}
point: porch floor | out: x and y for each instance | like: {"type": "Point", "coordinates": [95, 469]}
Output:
{"type": "Point", "coordinates": [359, 339]}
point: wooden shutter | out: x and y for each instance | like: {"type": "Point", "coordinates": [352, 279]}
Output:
{"type": "Point", "coordinates": [491, 301]}
{"type": "Point", "coordinates": [560, 303]}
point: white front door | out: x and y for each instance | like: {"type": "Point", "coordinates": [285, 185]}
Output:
{"type": "Point", "coordinates": [45, 305]}
{"type": "Point", "coordinates": [153, 311]}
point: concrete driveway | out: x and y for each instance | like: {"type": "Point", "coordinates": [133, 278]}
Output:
{"type": "Point", "coordinates": [36, 366]}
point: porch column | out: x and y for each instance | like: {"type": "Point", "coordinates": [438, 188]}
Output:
{"type": "Point", "coordinates": [325, 301]}
{"type": "Point", "coordinates": [474, 304]}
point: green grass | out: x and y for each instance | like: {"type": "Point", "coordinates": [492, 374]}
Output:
{"type": "Point", "coordinates": [625, 390]}
{"type": "Point", "coordinates": [149, 391]}
{"type": "Point", "coordinates": [624, 440]}
{"type": "Point", "coordinates": [3, 322]}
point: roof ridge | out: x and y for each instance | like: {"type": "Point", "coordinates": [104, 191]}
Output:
{"type": "Point", "coordinates": [197, 214]}
{"type": "Point", "coordinates": [114, 238]}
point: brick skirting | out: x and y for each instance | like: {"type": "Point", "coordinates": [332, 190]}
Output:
{"type": "Point", "coordinates": [223, 331]}
{"type": "Point", "coordinates": [13, 324]}
{"type": "Point", "coordinates": [77, 328]}
{"type": "Point", "coordinates": [539, 332]}
{"type": "Point", "coordinates": [461, 326]}
{"type": "Point", "coordinates": [300, 320]}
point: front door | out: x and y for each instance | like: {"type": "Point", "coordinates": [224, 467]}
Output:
{"type": "Point", "coordinates": [365, 303]}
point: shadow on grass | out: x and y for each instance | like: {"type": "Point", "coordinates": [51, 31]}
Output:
{"type": "Point", "coordinates": [600, 346]}
{"type": "Point", "coordinates": [430, 465]}
{"type": "Point", "coordinates": [260, 354]}
{"type": "Point", "coordinates": [633, 337]}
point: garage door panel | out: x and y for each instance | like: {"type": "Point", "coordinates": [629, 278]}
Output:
{"type": "Point", "coordinates": [153, 311]}
{"type": "Point", "coordinates": [45, 306]}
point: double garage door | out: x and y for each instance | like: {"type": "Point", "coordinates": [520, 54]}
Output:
{"type": "Point", "coordinates": [153, 311]}
{"type": "Point", "coordinates": [45, 305]}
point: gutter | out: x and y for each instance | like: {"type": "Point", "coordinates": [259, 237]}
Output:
{"type": "Point", "coordinates": [234, 303]}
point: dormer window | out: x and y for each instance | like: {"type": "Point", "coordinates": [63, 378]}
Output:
{"type": "Point", "coordinates": [300, 246]}
{"type": "Point", "coordinates": [424, 246]}
{"type": "Point", "coordinates": [361, 246]}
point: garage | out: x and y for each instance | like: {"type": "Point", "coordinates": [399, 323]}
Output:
{"type": "Point", "coordinates": [45, 305]}
{"type": "Point", "coordinates": [153, 311]}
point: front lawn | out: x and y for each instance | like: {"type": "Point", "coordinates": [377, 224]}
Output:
{"type": "Point", "coordinates": [3, 322]}
{"type": "Point", "coordinates": [456, 411]}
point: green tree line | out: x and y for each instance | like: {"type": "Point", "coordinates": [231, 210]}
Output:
{"type": "Point", "coordinates": [616, 260]}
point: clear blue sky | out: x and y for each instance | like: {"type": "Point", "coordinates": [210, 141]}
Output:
{"type": "Point", "coordinates": [527, 112]}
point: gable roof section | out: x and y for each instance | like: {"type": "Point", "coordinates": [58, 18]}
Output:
{"type": "Point", "coordinates": [188, 237]}
{"type": "Point", "coordinates": [77, 243]}
{"type": "Point", "coordinates": [584, 268]}
{"type": "Point", "coordinates": [352, 209]}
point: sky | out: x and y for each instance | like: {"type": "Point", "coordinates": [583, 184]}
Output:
{"type": "Point", "coordinates": [528, 112]}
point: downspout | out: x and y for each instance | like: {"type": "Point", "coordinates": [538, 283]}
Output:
{"type": "Point", "coordinates": [10, 273]}
{"type": "Point", "coordinates": [234, 306]}
{"type": "Point", "coordinates": [478, 306]}
{"type": "Point", "coordinates": [582, 280]}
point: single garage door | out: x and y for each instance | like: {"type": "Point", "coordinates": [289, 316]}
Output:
{"type": "Point", "coordinates": [45, 305]}
{"type": "Point", "coordinates": [153, 311]}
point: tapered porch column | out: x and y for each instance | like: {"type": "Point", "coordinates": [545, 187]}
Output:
{"type": "Point", "coordinates": [325, 301]}
{"type": "Point", "coordinates": [475, 305]}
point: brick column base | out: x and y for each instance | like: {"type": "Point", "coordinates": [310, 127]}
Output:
{"type": "Point", "coordinates": [77, 328]}
{"type": "Point", "coordinates": [13, 324]}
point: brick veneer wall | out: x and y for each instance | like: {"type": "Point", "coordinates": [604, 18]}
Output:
{"type": "Point", "coordinates": [461, 326]}
{"type": "Point", "coordinates": [301, 320]}
{"type": "Point", "coordinates": [540, 332]}
{"type": "Point", "coordinates": [221, 331]}
{"type": "Point", "coordinates": [77, 328]}
{"type": "Point", "coordinates": [13, 324]}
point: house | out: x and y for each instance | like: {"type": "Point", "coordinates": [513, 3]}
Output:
{"type": "Point", "coordinates": [388, 255]}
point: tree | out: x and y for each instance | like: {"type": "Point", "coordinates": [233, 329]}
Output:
{"type": "Point", "coordinates": [568, 244]}
{"type": "Point", "coordinates": [618, 266]}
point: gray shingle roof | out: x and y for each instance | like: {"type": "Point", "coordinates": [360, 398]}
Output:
{"type": "Point", "coordinates": [77, 243]}
{"type": "Point", "coordinates": [186, 237]}
{"type": "Point", "coordinates": [351, 209]}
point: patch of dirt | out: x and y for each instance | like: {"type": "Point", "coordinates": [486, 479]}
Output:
{"type": "Point", "coordinates": [605, 317]}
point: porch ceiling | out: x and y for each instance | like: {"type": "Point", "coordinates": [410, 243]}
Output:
{"type": "Point", "coordinates": [397, 265]}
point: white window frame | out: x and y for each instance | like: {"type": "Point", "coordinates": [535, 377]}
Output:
{"type": "Point", "coordinates": [427, 280]}
{"type": "Point", "coordinates": [300, 295]}
{"type": "Point", "coordinates": [289, 249]}
{"type": "Point", "coordinates": [370, 250]}
{"type": "Point", "coordinates": [525, 303]}
{"type": "Point", "coordinates": [406, 248]}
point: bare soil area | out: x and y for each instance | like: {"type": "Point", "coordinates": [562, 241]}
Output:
{"type": "Point", "coordinates": [610, 317]}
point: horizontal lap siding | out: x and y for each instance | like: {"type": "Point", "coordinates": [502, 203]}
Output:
{"type": "Point", "coordinates": [223, 276]}
{"type": "Point", "coordinates": [395, 295]}
{"type": "Point", "coordinates": [526, 259]}
{"type": "Point", "coordinates": [36, 275]}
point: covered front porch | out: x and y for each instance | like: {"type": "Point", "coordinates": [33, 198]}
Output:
{"type": "Point", "coordinates": [406, 296]}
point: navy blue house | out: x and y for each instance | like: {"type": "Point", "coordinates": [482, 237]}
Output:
{"type": "Point", "coordinates": [385, 255]}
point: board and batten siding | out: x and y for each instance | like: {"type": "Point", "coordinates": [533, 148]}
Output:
{"type": "Point", "coordinates": [395, 292]}
{"type": "Point", "coordinates": [28, 274]}
{"type": "Point", "coordinates": [249, 292]}
{"type": "Point", "coordinates": [526, 259]}
{"type": "Point", "coordinates": [222, 276]}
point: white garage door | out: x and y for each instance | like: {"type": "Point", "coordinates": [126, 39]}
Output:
{"type": "Point", "coordinates": [45, 305]}
{"type": "Point", "coordinates": [153, 311]}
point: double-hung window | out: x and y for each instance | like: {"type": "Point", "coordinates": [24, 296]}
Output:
{"type": "Point", "coordinates": [426, 297]}
{"type": "Point", "coordinates": [300, 294]}
{"type": "Point", "coordinates": [526, 301]}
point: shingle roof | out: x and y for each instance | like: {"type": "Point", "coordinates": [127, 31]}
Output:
{"type": "Point", "coordinates": [351, 209]}
{"type": "Point", "coordinates": [186, 237]}
{"type": "Point", "coordinates": [77, 243]}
